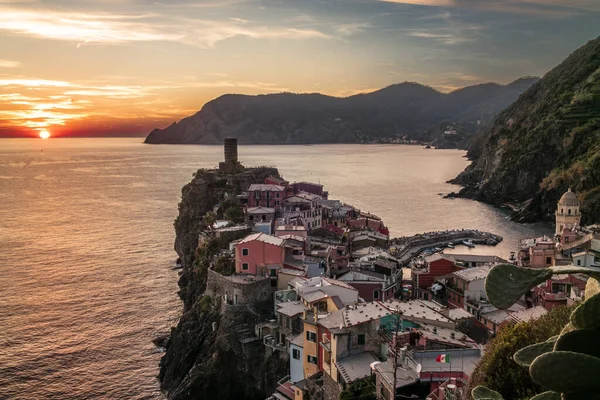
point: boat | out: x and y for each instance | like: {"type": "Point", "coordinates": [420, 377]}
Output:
{"type": "Point", "coordinates": [450, 246]}
{"type": "Point", "coordinates": [428, 147]}
{"type": "Point", "coordinates": [468, 243]}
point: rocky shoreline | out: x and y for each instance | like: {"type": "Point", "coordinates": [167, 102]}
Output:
{"type": "Point", "coordinates": [202, 353]}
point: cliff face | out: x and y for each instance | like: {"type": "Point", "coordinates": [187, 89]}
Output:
{"type": "Point", "coordinates": [285, 118]}
{"type": "Point", "coordinates": [199, 362]}
{"type": "Point", "coordinates": [548, 140]}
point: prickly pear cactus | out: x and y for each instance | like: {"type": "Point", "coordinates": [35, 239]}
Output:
{"type": "Point", "coordinates": [566, 365]}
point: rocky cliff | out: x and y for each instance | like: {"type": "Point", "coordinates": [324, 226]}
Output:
{"type": "Point", "coordinates": [286, 118]}
{"type": "Point", "coordinates": [202, 363]}
{"type": "Point", "coordinates": [548, 140]}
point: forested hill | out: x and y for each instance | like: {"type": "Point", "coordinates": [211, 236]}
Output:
{"type": "Point", "coordinates": [545, 142]}
{"type": "Point", "coordinates": [404, 109]}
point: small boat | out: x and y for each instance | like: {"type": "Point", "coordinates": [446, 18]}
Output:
{"type": "Point", "coordinates": [468, 243]}
{"type": "Point", "coordinates": [428, 147]}
{"type": "Point", "coordinates": [450, 246]}
{"type": "Point", "coordinates": [437, 249]}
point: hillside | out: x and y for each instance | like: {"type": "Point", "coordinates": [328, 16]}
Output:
{"type": "Point", "coordinates": [285, 118]}
{"type": "Point", "coordinates": [545, 142]}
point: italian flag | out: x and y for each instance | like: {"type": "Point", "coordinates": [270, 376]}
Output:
{"type": "Point", "coordinates": [443, 358]}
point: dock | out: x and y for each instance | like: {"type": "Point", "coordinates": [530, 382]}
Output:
{"type": "Point", "coordinates": [409, 247]}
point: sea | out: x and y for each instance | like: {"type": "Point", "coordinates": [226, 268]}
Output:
{"type": "Point", "coordinates": [86, 245]}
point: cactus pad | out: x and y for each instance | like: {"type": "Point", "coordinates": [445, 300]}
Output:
{"type": "Point", "coordinates": [580, 341]}
{"type": "Point", "coordinates": [526, 355]}
{"type": "Point", "coordinates": [587, 315]}
{"type": "Point", "coordinates": [483, 393]}
{"type": "Point", "coordinates": [566, 371]}
{"type": "Point", "coordinates": [592, 287]}
{"type": "Point", "coordinates": [547, 396]}
{"type": "Point", "coordinates": [506, 283]}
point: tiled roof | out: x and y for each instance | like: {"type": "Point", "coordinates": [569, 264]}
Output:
{"type": "Point", "coordinates": [356, 367]}
{"type": "Point", "coordinates": [417, 309]}
{"type": "Point", "coordinates": [264, 187]}
{"type": "Point", "coordinates": [444, 335]}
{"type": "Point", "coordinates": [291, 308]}
{"type": "Point", "coordinates": [260, 210]}
{"type": "Point", "coordinates": [473, 274]}
{"type": "Point", "coordinates": [439, 256]}
{"type": "Point", "coordinates": [338, 283]}
{"type": "Point", "coordinates": [363, 312]}
{"type": "Point", "coordinates": [459, 313]}
{"type": "Point", "coordinates": [262, 237]}
{"type": "Point", "coordinates": [314, 296]}
{"type": "Point", "coordinates": [529, 314]}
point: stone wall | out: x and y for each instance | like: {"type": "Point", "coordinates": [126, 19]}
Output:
{"type": "Point", "coordinates": [255, 294]}
{"type": "Point", "coordinates": [331, 390]}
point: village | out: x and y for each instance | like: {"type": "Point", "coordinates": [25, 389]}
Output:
{"type": "Point", "coordinates": [347, 306]}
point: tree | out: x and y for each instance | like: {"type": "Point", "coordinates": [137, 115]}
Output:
{"type": "Point", "coordinates": [498, 371]}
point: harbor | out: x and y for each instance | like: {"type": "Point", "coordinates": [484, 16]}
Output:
{"type": "Point", "coordinates": [408, 247]}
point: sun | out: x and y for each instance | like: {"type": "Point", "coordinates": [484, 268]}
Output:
{"type": "Point", "coordinates": [44, 134]}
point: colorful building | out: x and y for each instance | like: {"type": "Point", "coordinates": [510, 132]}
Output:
{"type": "Point", "coordinates": [266, 195]}
{"type": "Point", "coordinates": [259, 254]}
{"type": "Point", "coordinates": [434, 267]}
{"type": "Point", "coordinates": [466, 288]}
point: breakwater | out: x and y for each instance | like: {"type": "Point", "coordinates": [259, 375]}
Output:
{"type": "Point", "coordinates": [407, 247]}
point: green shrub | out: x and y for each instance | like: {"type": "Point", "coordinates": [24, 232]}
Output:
{"type": "Point", "coordinates": [566, 365]}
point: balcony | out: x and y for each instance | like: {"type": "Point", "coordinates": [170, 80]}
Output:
{"type": "Point", "coordinates": [270, 341]}
{"type": "Point", "coordinates": [452, 286]}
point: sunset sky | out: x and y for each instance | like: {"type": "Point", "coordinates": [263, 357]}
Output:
{"type": "Point", "coordinates": [123, 67]}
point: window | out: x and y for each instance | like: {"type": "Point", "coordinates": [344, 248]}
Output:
{"type": "Point", "coordinates": [425, 296]}
{"type": "Point", "coordinates": [277, 203]}
{"type": "Point", "coordinates": [277, 195]}
{"type": "Point", "coordinates": [295, 354]}
{"type": "Point", "coordinates": [245, 252]}
{"type": "Point", "coordinates": [375, 294]}
{"type": "Point", "coordinates": [312, 359]}
{"type": "Point", "coordinates": [578, 262]}
{"type": "Point", "coordinates": [569, 211]}
{"type": "Point", "coordinates": [311, 336]}
{"type": "Point", "coordinates": [361, 340]}
{"type": "Point", "coordinates": [245, 266]}
{"type": "Point", "coordinates": [548, 260]}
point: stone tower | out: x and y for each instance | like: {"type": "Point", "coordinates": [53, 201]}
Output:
{"type": "Point", "coordinates": [231, 152]}
{"type": "Point", "coordinates": [231, 156]}
{"type": "Point", "coordinates": [567, 212]}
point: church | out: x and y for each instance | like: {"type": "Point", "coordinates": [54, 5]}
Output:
{"type": "Point", "coordinates": [568, 215]}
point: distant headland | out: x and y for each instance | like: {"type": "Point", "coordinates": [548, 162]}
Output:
{"type": "Point", "coordinates": [402, 113]}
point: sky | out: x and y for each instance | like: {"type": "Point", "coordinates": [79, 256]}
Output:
{"type": "Point", "coordinates": [124, 67]}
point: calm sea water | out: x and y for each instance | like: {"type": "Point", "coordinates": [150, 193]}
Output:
{"type": "Point", "coordinates": [86, 246]}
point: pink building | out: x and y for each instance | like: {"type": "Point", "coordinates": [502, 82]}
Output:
{"type": "Point", "coordinates": [266, 195]}
{"type": "Point", "coordinates": [259, 254]}
{"type": "Point", "coordinates": [313, 188]}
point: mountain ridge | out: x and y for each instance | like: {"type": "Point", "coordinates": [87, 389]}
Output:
{"type": "Point", "coordinates": [544, 143]}
{"type": "Point", "coordinates": [406, 108]}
